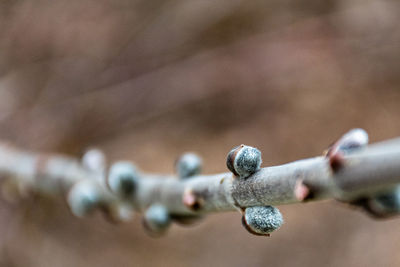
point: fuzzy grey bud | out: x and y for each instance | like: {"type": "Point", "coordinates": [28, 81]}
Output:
{"type": "Point", "coordinates": [123, 178]}
{"type": "Point", "coordinates": [188, 165]}
{"type": "Point", "coordinates": [386, 204]}
{"type": "Point", "coordinates": [94, 160]}
{"type": "Point", "coordinates": [83, 198]}
{"type": "Point", "coordinates": [262, 220]}
{"type": "Point", "coordinates": [157, 219]}
{"type": "Point", "coordinates": [244, 160]}
{"type": "Point", "coordinates": [353, 139]}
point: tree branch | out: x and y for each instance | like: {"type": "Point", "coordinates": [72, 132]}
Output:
{"type": "Point", "coordinates": [351, 172]}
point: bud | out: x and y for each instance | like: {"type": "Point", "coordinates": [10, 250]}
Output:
{"type": "Point", "coordinates": [262, 220]}
{"type": "Point", "coordinates": [244, 160]}
{"type": "Point", "coordinates": [188, 165]}
{"type": "Point", "coordinates": [123, 178]}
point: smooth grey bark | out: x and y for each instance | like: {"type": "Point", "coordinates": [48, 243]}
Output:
{"type": "Point", "coordinates": [365, 172]}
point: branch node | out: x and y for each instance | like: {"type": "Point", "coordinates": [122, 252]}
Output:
{"type": "Point", "coordinates": [301, 191]}
{"type": "Point", "coordinates": [192, 201]}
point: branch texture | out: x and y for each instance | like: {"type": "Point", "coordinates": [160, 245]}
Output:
{"type": "Point", "coordinates": [351, 171]}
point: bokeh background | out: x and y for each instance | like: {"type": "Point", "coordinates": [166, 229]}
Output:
{"type": "Point", "coordinates": [148, 80]}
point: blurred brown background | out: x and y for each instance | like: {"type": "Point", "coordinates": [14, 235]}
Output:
{"type": "Point", "coordinates": [148, 80]}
